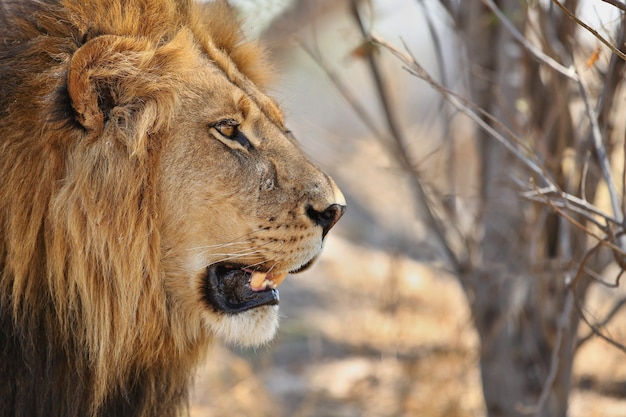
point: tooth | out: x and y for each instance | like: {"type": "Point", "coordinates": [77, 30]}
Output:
{"type": "Point", "coordinates": [278, 278]}
{"type": "Point", "coordinates": [257, 282]}
{"type": "Point", "coordinates": [269, 283]}
{"type": "Point", "coordinates": [261, 280]}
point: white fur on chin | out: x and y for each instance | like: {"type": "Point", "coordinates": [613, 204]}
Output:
{"type": "Point", "coordinates": [250, 328]}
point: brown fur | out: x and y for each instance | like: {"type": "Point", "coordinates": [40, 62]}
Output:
{"type": "Point", "coordinates": [109, 179]}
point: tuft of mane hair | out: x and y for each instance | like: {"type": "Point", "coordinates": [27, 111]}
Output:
{"type": "Point", "coordinates": [77, 336]}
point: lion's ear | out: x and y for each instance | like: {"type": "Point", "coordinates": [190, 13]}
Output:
{"type": "Point", "coordinates": [96, 72]}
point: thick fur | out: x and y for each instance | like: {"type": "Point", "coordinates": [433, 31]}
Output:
{"type": "Point", "coordinates": [115, 195]}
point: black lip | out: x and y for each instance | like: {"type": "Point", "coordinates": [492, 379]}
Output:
{"type": "Point", "coordinates": [226, 288]}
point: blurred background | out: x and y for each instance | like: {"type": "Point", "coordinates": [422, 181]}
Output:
{"type": "Point", "coordinates": [465, 278]}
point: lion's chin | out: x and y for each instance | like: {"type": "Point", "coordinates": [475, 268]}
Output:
{"type": "Point", "coordinates": [253, 327]}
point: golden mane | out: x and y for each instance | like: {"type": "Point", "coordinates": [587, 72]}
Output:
{"type": "Point", "coordinates": [71, 232]}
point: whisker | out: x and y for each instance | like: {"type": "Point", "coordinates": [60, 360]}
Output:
{"type": "Point", "coordinates": [225, 257]}
{"type": "Point", "coordinates": [221, 245]}
{"type": "Point", "coordinates": [236, 241]}
{"type": "Point", "coordinates": [245, 246]}
{"type": "Point", "coordinates": [246, 235]}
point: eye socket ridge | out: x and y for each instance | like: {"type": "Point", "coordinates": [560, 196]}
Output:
{"type": "Point", "coordinates": [229, 128]}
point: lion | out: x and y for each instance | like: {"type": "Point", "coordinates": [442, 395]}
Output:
{"type": "Point", "coordinates": [151, 201]}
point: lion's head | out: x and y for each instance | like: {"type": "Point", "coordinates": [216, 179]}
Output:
{"type": "Point", "coordinates": [151, 198]}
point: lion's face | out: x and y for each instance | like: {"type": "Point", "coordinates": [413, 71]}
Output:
{"type": "Point", "coordinates": [240, 204]}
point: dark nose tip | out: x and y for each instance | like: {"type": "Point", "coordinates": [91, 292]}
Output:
{"type": "Point", "coordinates": [327, 218]}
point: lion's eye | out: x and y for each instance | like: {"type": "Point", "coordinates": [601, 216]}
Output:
{"type": "Point", "coordinates": [230, 129]}
{"type": "Point", "coordinates": [227, 128]}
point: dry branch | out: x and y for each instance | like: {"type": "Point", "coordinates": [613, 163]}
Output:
{"type": "Point", "coordinates": [542, 57]}
{"type": "Point", "coordinates": [513, 143]}
{"type": "Point", "coordinates": [591, 30]}
{"type": "Point", "coordinates": [617, 4]}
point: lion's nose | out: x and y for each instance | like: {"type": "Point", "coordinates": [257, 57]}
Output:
{"type": "Point", "coordinates": [326, 218]}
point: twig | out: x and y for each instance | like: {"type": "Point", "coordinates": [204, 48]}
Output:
{"type": "Point", "coordinates": [584, 229]}
{"type": "Point", "coordinates": [437, 45]}
{"type": "Point", "coordinates": [604, 241]}
{"type": "Point", "coordinates": [597, 278]}
{"type": "Point", "coordinates": [616, 308]}
{"type": "Point", "coordinates": [563, 326]}
{"type": "Point", "coordinates": [381, 89]}
{"type": "Point", "coordinates": [582, 266]}
{"type": "Point", "coordinates": [612, 79]}
{"type": "Point", "coordinates": [345, 92]}
{"type": "Point", "coordinates": [465, 107]}
{"type": "Point", "coordinates": [603, 159]}
{"type": "Point", "coordinates": [617, 279]}
{"type": "Point", "coordinates": [458, 260]}
{"type": "Point", "coordinates": [568, 72]}
{"type": "Point", "coordinates": [589, 29]}
{"type": "Point", "coordinates": [587, 209]}
{"type": "Point", "coordinates": [617, 4]}
{"type": "Point", "coordinates": [441, 65]}
{"type": "Point", "coordinates": [596, 330]}
{"type": "Point", "coordinates": [583, 177]}
{"type": "Point", "coordinates": [563, 204]}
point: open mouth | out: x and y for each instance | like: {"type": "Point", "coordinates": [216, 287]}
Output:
{"type": "Point", "coordinates": [234, 288]}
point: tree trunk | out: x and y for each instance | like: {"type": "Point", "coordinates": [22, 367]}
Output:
{"type": "Point", "coordinates": [521, 308]}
